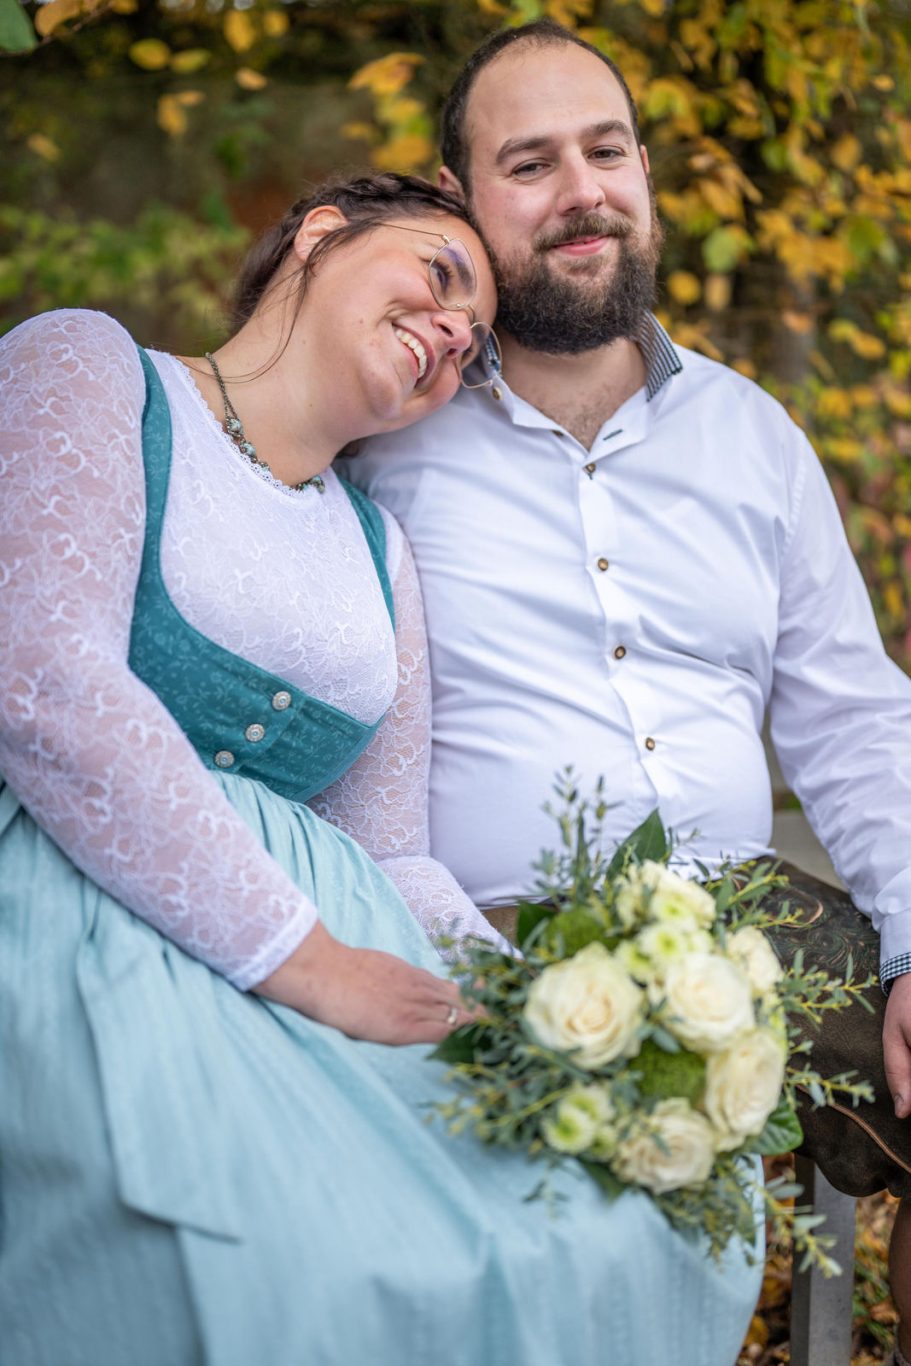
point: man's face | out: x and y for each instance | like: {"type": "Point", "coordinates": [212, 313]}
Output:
{"type": "Point", "coordinates": [561, 193]}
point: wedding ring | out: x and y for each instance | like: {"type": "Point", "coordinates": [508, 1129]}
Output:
{"type": "Point", "coordinates": [452, 1015]}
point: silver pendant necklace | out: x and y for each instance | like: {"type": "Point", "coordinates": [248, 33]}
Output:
{"type": "Point", "coordinates": [235, 430]}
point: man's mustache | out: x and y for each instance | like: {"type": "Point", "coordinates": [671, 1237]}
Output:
{"type": "Point", "coordinates": [591, 225]}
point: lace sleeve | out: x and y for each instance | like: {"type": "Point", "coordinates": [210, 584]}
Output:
{"type": "Point", "coordinates": [382, 799]}
{"type": "Point", "coordinates": [87, 747]}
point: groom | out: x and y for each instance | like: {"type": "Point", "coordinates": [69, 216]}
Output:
{"type": "Point", "coordinates": [628, 552]}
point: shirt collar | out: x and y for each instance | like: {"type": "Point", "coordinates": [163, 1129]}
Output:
{"type": "Point", "coordinates": [659, 353]}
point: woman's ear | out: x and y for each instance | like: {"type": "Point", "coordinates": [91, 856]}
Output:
{"type": "Point", "coordinates": [319, 222]}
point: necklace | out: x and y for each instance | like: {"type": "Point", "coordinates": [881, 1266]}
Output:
{"type": "Point", "coordinates": [235, 430]}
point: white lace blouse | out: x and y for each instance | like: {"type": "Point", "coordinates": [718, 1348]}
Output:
{"type": "Point", "coordinates": [281, 578]}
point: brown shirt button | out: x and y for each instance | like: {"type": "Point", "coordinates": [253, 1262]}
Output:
{"type": "Point", "coordinates": [497, 393]}
{"type": "Point", "coordinates": [649, 743]}
{"type": "Point", "coordinates": [590, 468]}
{"type": "Point", "coordinates": [620, 652]}
{"type": "Point", "coordinates": [603, 564]}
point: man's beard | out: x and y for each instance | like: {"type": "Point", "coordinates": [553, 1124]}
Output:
{"type": "Point", "coordinates": [565, 312]}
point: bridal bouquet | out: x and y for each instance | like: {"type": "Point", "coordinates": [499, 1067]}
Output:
{"type": "Point", "coordinates": [648, 1032]}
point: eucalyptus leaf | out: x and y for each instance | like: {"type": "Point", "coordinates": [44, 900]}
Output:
{"type": "Point", "coordinates": [603, 1177]}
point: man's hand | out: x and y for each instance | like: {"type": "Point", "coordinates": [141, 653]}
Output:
{"type": "Point", "coordinates": [897, 1044]}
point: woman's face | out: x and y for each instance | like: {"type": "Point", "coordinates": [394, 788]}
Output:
{"type": "Point", "coordinates": [381, 336]}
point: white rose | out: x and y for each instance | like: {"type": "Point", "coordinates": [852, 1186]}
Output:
{"type": "Point", "coordinates": [751, 949]}
{"type": "Point", "coordinates": [579, 1120]}
{"type": "Point", "coordinates": [652, 890]}
{"type": "Point", "coordinates": [743, 1085]}
{"type": "Point", "coordinates": [663, 944]}
{"type": "Point", "coordinates": [632, 897]}
{"type": "Point", "coordinates": [588, 1004]}
{"type": "Point", "coordinates": [678, 901]}
{"type": "Point", "coordinates": [707, 1002]}
{"type": "Point", "coordinates": [673, 1147]}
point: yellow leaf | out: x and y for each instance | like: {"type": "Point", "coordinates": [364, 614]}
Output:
{"type": "Point", "coordinates": [883, 83]}
{"type": "Point", "coordinates": [491, 7]}
{"type": "Point", "coordinates": [188, 99]}
{"type": "Point", "coordinates": [359, 132]}
{"type": "Point", "coordinates": [248, 79]}
{"type": "Point", "coordinates": [401, 110]}
{"type": "Point", "coordinates": [899, 403]}
{"type": "Point", "coordinates": [801, 323]}
{"type": "Point", "coordinates": [758, 1332]}
{"type": "Point", "coordinates": [847, 152]}
{"type": "Point", "coordinates": [864, 396]}
{"type": "Point", "coordinates": [844, 449]}
{"type": "Point", "coordinates": [407, 153]}
{"type": "Point", "coordinates": [895, 606]}
{"type": "Point", "coordinates": [387, 75]}
{"type": "Point", "coordinates": [717, 292]}
{"type": "Point", "coordinates": [151, 54]}
{"type": "Point", "coordinates": [240, 30]}
{"type": "Point", "coordinates": [902, 525]}
{"type": "Point", "coordinates": [171, 116]}
{"type": "Point", "coordinates": [193, 59]}
{"type": "Point", "coordinates": [275, 23]}
{"type": "Point", "coordinates": [50, 17]}
{"type": "Point", "coordinates": [834, 403]}
{"type": "Point", "coordinates": [722, 201]}
{"type": "Point", "coordinates": [683, 287]}
{"type": "Point", "coordinates": [124, 6]}
{"type": "Point", "coordinates": [43, 146]}
{"type": "Point", "coordinates": [745, 367]}
{"type": "Point", "coordinates": [867, 346]}
{"type": "Point", "coordinates": [653, 7]}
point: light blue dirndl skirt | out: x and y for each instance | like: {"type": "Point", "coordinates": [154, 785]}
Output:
{"type": "Point", "coordinates": [189, 1174]}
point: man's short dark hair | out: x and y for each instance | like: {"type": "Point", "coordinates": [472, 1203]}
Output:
{"type": "Point", "coordinates": [542, 33]}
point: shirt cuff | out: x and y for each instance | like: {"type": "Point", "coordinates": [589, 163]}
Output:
{"type": "Point", "coordinates": [892, 968]}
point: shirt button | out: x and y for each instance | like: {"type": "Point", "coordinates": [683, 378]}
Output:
{"type": "Point", "coordinates": [590, 468]}
{"type": "Point", "coordinates": [649, 743]}
{"type": "Point", "coordinates": [224, 758]}
{"type": "Point", "coordinates": [620, 652]}
{"type": "Point", "coordinates": [255, 732]}
{"type": "Point", "coordinates": [497, 393]}
{"type": "Point", "coordinates": [281, 701]}
{"type": "Point", "coordinates": [603, 564]}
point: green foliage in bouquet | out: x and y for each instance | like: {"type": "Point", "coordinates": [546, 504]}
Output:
{"type": "Point", "coordinates": [649, 1032]}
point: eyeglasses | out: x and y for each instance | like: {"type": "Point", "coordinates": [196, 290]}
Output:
{"type": "Point", "coordinates": [454, 285]}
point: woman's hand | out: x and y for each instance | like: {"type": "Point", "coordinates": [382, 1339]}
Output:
{"type": "Point", "coordinates": [365, 993]}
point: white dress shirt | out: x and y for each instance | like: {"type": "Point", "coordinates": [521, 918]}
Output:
{"type": "Point", "coordinates": [633, 611]}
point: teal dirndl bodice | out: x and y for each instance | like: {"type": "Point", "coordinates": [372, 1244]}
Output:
{"type": "Point", "coordinates": [239, 718]}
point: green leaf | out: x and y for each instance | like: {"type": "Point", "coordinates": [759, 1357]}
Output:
{"type": "Point", "coordinates": [16, 32]}
{"type": "Point", "coordinates": [782, 1132]}
{"type": "Point", "coordinates": [461, 1045]}
{"type": "Point", "coordinates": [603, 1177]}
{"type": "Point", "coordinates": [529, 918]}
{"type": "Point", "coordinates": [648, 841]}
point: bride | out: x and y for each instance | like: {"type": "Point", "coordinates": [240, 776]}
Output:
{"type": "Point", "coordinates": [215, 886]}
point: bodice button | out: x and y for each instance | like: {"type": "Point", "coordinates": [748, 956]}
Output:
{"type": "Point", "coordinates": [255, 732]}
{"type": "Point", "coordinates": [281, 701]}
{"type": "Point", "coordinates": [224, 758]}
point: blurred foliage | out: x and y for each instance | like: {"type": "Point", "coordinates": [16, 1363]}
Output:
{"type": "Point", "coordinates": [779, 136]}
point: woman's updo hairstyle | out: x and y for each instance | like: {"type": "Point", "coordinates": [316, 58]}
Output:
{"type": "Point", "coordinates": [365, 201]}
